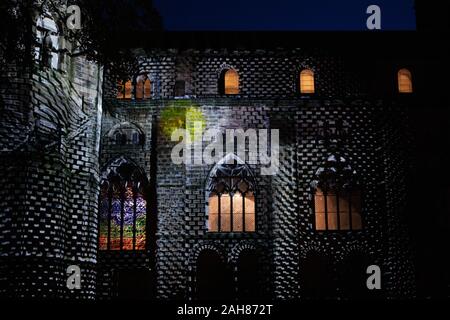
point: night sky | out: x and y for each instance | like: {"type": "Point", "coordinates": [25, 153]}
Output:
{"type": "Point", "coordinates": [191, 15]}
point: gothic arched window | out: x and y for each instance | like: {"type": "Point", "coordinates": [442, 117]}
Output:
{"type": "Point", "coordinates": [404, 81]}
{"type": "Point", "coordinates": [229, 82]}
{"type": "Point", "coordinates": [337, 197]}
{"type": "Point", "coordinates": [123, 207]}
{"type": "Point", "coordinates": [231, 197]}
{"type": "Point", "coordinates": [306, 82]}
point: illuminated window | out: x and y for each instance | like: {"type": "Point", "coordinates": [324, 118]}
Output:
{"type": "Point", "coordinates": [139, 89]}
{"type": "Point", "coordinates": [128, 89]}
{"type": "Point", "coordinates": [120, 89]}
{"type": "Point", "coordinates": [123, 208]}
{"type": "Point", "coordinates": [405, 81]}
{"type": "Point", "coordinates": [307, 82]}
{"type": "Point", "coordinates": [231, 200]}
{"type": "Point", "coordinates": [335, 211]}
{"type": "Point", "coordinates": [143, 90]}
{"type": "Point", "coordinates": [337, 199]}
{"type": "Point", "coordinates": [229, 82]}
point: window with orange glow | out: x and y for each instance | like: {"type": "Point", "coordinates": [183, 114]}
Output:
{"type": "Point", "coordinates": [122, 208]}
{"type": "Point", "coordinates": [405, 81]}
{"type": "Point", "coordinates": [231, 82]}
{"type": "Point", "coordinates": [147, 89]}
{"type": "Point", "coordinates": [231, 212]}
{"type": "Point", "coordinates": [120, 89]}
{"type": "Point", "coordinates": [128, 89]}
{"type": "Point", "coordinates": [231, 198]}
{"type": "Point", "coordinates": [307, 82]}
{"type": "Point", "coordinates": [335, 211]}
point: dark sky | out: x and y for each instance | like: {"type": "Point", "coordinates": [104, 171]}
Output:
{"type": "Point", "coordinates": [282, 14]}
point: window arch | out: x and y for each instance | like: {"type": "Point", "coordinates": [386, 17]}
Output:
{"type": "Point", "coordinates": [143, 87]}
{"type": "Point", "coordinates": [337, 197]}
{"type": "Point", "coordinates": [229, 82]}
{"type": "Point", "coordinates": [306, 81]}
{"type": "Point", "coordinates": [126, 133]}
{"type": "Point", "coordinates": [122, 207]}
{"type": "Point", "coordinates": [124, 90]}
{"type": "Point", "coordinates": [147, 89]}
{"type": "Point", "coordinates": [231, 197]}
{"type": "Point", "coordinates": [404, 79]}
{"type": "Point", "coordinates": [47, 35]}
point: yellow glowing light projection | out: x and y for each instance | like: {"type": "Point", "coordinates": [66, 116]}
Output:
{"type": "Point", "coordinates": [182, 114]}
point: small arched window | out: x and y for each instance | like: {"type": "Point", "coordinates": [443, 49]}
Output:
{"type": "Point", "coordinates": [128, 89]}
{"type": "Point", "coordinates": [147, 89]}
{"type": "Point", "coordinates": [229, 82]}
{"type": "Point", "coordinates": [337, 198]}
{"type": "Point", "coordinates": [127, 134]}
{"type": "Point", "coordinates": [231, 197]}
{"type": "Point", "coordinates": [123, 207]}
{"type": "Point", "coordinates": [48, 42]}
{"type": "Point", "coordinates": [405, 81]}
{"type": "Point", "coordinates": [124, 91]}
{"type": "Point", "coordinates": [306, 82]}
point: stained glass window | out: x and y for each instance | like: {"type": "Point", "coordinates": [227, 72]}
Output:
{"type": "Point", "coordinates": [231, 200]}
{"type": "Point", "coordinates": [123, 208]}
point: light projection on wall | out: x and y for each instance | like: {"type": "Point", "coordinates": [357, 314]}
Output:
{"type": "Point", "coordinates": [123, 208]}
